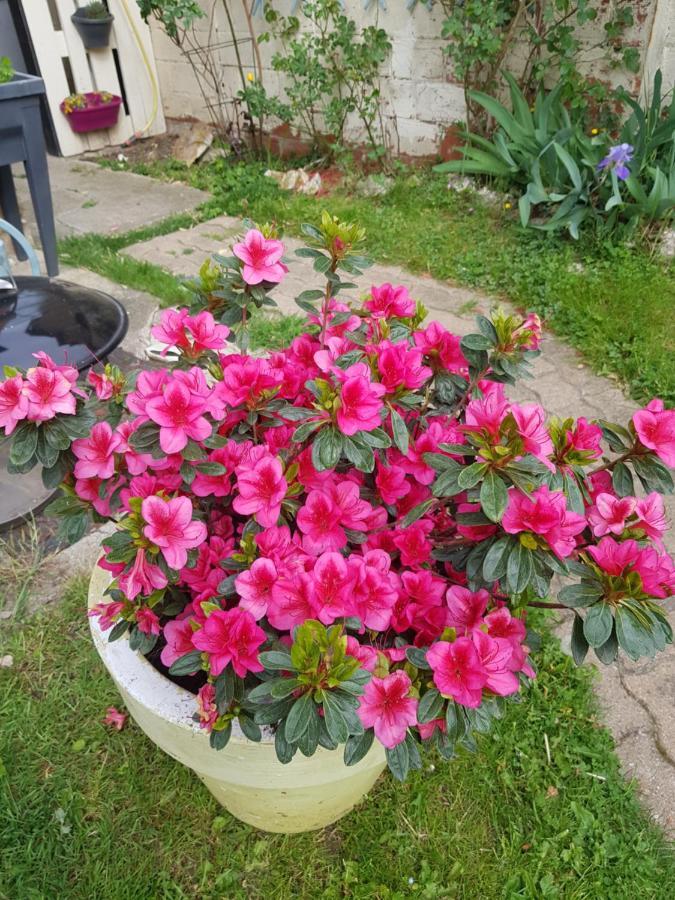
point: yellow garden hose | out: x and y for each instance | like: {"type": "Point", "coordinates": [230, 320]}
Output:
{"type": "Point", "coordinates": [153, 81]}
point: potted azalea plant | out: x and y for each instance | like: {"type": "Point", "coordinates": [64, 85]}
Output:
{"type": "Point", "coordinates": [91, 111]}
{"type": "Point", "coordinates": [93, 23]}
{"type": "Point", "coordinates": [322, 559]}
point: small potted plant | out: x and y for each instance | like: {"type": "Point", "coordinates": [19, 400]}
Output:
{"type": "Point", "coordinates": [92, 111]}
{"type": "Point", "coordinates": [93, 23]}
{"type": "Point", "coordinates": [322, 560]}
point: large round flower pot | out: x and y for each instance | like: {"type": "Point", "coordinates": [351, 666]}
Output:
{"type": "Point", "coordinates": [246, 777]}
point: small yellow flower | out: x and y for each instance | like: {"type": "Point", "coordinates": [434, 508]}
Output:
{"type": "Point", "coordinates": [250, 76]}
{"type": "Point", "coordinates": [507, 205]}
{"type": "Point", "coordinates": [595, 131]}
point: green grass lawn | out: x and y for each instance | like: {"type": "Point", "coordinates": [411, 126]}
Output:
{"type": "Point", "coordinates": [615, 304]}
{"type": "Point", "coordinates": [93, 814]}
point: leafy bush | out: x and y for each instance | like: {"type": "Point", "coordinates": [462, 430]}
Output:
{"type": "Point", "coordinates": [332, 72]}
{"type": "Point", "coordinates": [570, 178]}
{"type": "Point", "coordinates": [482, 34]}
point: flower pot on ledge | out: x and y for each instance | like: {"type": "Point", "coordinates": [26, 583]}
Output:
{"type": "Point", "coordinates": [245, 777]}
{"type": "Point", "coordinates": [91, 111]}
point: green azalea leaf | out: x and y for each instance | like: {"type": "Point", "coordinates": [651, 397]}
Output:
{"type": "Point", "coordinates": [357, 746]}
{"type": "Point", "coordinates": [578, 596]}
{"type": "Point", "coordinates": [400, 431]}
{"type": "Point", "coordinates": [598, 624]}
{"type": "Point", "coordinates": [430, 706]}
{"type": "Point", "coordinates": [298, 718]}
{"type": "Point", "coordinates": [519, 568]}
{"type": "Point", "coordinates": [219, 739]}
{"type": "Point", "coordinates": [187, 664]}
{"type": "Point", "coordinates": [579, 642]}
{"type": "Point", "coordinates": [607, 652]}
{"type": "Point", "coordinates": [471, 475]}
{"type": "Point", "coordinates": [494, 564]}
{"type": "Point", "coordinates": [493, 496]}
{"type": "Point", "coordinates": [398, 761]}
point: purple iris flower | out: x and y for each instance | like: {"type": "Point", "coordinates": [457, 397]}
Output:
{"type": "Point", "coordinates": [616, 159]}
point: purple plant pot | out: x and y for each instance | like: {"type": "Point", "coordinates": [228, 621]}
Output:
{"type": "Point", "coordinates": [95, 116]}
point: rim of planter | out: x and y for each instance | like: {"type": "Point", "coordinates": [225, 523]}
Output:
{"type": "Point", "coordinates": [87, 20]}
{"type": "Point", "coordinates": [142, 681]}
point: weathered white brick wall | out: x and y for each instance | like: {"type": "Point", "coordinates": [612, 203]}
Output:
{"type": "Point", "coordinates": [421, 97]}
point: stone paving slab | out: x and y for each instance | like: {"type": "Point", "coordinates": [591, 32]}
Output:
{"type": "Point", "coordinates": [638, 700]}
{"type": "Point", "coordinates": [90, 199]}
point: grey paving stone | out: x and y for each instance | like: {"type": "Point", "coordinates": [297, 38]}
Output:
{"type": "Point", "coordinates": [88, 198]}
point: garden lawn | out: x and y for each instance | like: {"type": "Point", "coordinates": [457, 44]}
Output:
{"type": "Point", "coordinates": [615, 304]}
{"type": "Point", "coordinates": [94, 814]}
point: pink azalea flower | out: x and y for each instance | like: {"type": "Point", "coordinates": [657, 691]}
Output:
{"type": "Point", "coordinates": [180, 415]}
{"type": "Point", "coordinates": [206, 707]}
{"type": "Point", "coordinates": [13, 403]}
{"type": "Point", "coordinates": [178, 635]}
{"type": "Point", "coordinates": [261, 489]}
{"type": "Point", "coordinates": [441, 346]}
{"type": "Point", "coordinates": [142, 578]}
{"type": "Point", "coordinates": [171, 528]}
{"type": "Point", "coordinates": [388, 301]}
{"type": "Point", "coordinates": [391, 483]}
{"type": "Point", "coordinates": [413, 542]}
{"type": "Point", "coordinates": [545, 514]}
{"type": "Point", "coordinates": [614, 557]}
{"type": "Point", "coordinates": [95, 454]}
{"type": "Point", "coordinates": [102, 384]}
{"type": "Point", "coordinates": [360, 404]}
{"type": "Point", "coordinates": [651, 516]}
{"type": "Point", "coordinates": [585, 438]}
{"type": "Point", "coordinates": [254, 587]}
{"type": "Point", "coordinates": [366, 655]}
{"type": "Point", "coordinates": [531, 424]}
{"type": "Point", "coordinates": [108, 613]}
{"type": "Point", "coordinates": [49, 393]}
{"type": "Point", "coordinates": [495, 656]}
{"type": "Point", "coordinates": [400, 366]}
{"type": "Point", "coordinates": [502, 625]}
{"type": "Point", "coordinates": [387, 707]}
{"type": "Point", "coordinates": [171, 329]}
{"type": "Point", "coordinates": [231, 637]}
{"type": "Point", "coordinates": [207, 334]}
{"type": "Point", "coordinates": [293, 602]}
{"type": "Point", "coordinates": [528, 335]}
{"type": "Point", "coordinates": [147, 620]}
{"type": "Point", "coordinates": [261, 257]}
{"type": "Point", "coordinates": [331, 587]}
{"type": "Point", "coordinates": [466, 608]}
{"type": "Point", "coordinates": [426, 729]}
{"type": "Point", "coordinates": [319, 522]}
{"type": "Point", "coordinates": [374, 591]}
{"type": "Point", "coordinates": [115, 719]}
{"type": "Point", "coordinates": [458, 671]}
{"type": "Point", "coordinates": [609, 514]}
{"type": "Point", "coordinates": [655, 426]}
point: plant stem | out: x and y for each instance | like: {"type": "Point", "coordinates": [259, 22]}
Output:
{"type": "Point", "coordinates": [612, 462]}
{"type": "Point", "coordinates": [541, 604]}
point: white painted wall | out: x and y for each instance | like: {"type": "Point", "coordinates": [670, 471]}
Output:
{"type": "Point", "coordinates": [421, 97]}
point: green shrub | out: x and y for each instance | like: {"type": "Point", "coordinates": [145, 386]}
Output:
{"type": "Point", "coordinates": [569, 179]}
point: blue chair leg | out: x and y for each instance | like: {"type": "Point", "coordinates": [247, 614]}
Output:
{"type": "Point", "coordinates": [10, 206]}
{"type": "Point", "coordinates": [38, 183]}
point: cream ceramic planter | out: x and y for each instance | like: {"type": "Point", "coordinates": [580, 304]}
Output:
{"type": "Point", "coordinates": [246, 777]}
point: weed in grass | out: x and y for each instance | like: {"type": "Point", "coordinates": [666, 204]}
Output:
{"type": "Point", "coordinates": [21, 556]}
{"type": "Point", "coordinates": [91, 813]}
